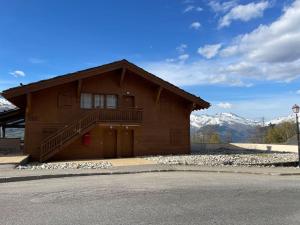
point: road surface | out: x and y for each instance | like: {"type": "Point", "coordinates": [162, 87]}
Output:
{"type": "Point", "coordinates": [168, 198]}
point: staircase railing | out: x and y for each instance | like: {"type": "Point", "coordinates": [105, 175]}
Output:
{"type": "Point", "coordinates": [51, 145]}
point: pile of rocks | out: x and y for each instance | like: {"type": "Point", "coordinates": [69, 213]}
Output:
{"type": "Point", "coordinates": [66, 165]}
{"type": "Point", "coordinates": [265, 159]}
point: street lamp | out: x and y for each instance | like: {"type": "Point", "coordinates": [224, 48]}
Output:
{"type": "Point", "coordinates": [296, 109]}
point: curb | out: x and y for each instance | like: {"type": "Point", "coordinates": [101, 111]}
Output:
{"type": "Point", "coordinates": [51, 176]}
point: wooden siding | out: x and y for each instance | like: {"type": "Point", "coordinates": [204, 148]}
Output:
{"type": "Point", "coordinates": [164, 128]}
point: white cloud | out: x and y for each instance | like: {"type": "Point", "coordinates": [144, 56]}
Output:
{"type": "Point", "coordinates": [269, 52]}
{"type": "Point", "coordinates": [199, 9]}
{"type": "Point", "coordinates": [188, 8]}
{"type": "Point", "coordinates": [193, 73]}
{"type": "Point", "coordinates": [36, 60]}
{"type": "Point", "coordinates": [18, 73]}
{"type": "Point", "coordinates": [188, 1]}
{"type": "Point", "coordinates": [169, 60]}
{"type": "Point", "coordinates": [225, 105]}
{"type": "Point", "coordinates": [244, 13]}
{"type": "Point", "coordinates": [183, 57]}
{"type": "Point", "coordinates": [181, 48]}
{"type": "Point", "coordinates": [298, 92]}
{"type": "Point", "coordinates": [218, 6]}
{"type": "Point", "coordinates": [209, 51]}
{"type": "Point", "coordinates": [195, 25]}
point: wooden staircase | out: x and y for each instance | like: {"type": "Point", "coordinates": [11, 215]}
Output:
{"type": "Point", "coordinates": [56, 142]}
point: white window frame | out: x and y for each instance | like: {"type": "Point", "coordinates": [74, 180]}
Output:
{"type": "Point", "coordinates": [99, 101]}
{"type": "Point", "coordinates": [111, 101]}
{"type": "Point", "coordinates": [86, 101]}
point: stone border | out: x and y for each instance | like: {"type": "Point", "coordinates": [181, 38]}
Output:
{"type": "Point", "coordinates": [152, 170]}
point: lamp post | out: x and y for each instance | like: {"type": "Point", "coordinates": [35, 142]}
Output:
{"type": "Point", "coordinates": [296, 109]}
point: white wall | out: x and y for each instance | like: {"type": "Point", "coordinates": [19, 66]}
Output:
{"type": "Point", "coordinates": [245, 146]}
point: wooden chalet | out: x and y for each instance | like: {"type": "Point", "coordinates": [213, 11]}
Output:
{"type": "Point", "coordinates": [114, 110]}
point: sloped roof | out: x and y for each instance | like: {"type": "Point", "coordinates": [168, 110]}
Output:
{"type": "Point", "coordinates": [43, 84]}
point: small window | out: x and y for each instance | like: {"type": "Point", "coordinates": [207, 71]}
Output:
{"type": "Point", "coordinates": [86, 101]}
{"type": "Point", "coordinates": [111, 101]}
{"type": "Point", "coordinates": [99, 101]}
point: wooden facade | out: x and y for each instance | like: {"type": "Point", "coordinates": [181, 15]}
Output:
{"type": "Point", "coordinates": [115, 110]}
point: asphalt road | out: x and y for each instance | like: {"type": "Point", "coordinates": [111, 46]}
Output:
{"type": "Point", "coordinates": [154, 198]}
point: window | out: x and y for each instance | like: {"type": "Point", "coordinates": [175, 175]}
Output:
{"type": "Point", "coordinates": [86, 101]}
{"type": "Point", "coordinates": [111, 101]}
{"type": "Point", "coordinates": [99, 101]}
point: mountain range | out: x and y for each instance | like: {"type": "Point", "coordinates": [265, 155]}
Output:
{"type": "Point", "coordinates": [230, 119]}
{"type": "Point", "coordinates": [5, 105]}
{"type": "Point", "coordinates": [229, 126]}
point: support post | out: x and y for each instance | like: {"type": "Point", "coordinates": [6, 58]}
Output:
{"type": "Point", "coordinates": [298, 138]}
{"type": "Point", "coordinates": [3, 131]}
{"type": "Point", "coordinates": [119, 150]}
{"type": "Point", "coordinates": [28, 103]}
{"type": "Point", "coordinates": [122, 76]}
{"type": "Point", "coordinates": [158, 95]}
{"type": "Point", "coordinates": [79, 87]}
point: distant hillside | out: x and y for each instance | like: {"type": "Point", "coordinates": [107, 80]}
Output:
{"type": "Point", "coordinates": [229, 126]}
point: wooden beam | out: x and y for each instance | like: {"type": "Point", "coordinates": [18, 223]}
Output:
{"type": "Point", "coordinates": [28, 103]}
{"type": "Point", "coordinates": [122, 76]}
{"type": "Point", "coordinates": [79, 87]}
{"type": "Point", "coordinates": [3, 132]}
{"type": "Point", "coordinates": [158, 94]}
{"type": "Point", "coordinates": [192, 106]}
{"type": "Point", "coordinates": [15, 126]}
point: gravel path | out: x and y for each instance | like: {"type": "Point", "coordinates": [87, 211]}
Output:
{"type": "Point", "coordinates": [66, 165]}
{"type": "Point", "coordinates": [223, 157]}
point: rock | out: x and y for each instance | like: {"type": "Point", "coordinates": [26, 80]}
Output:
{"type": "Point", "coordinates": [66, 165]}
{"type": "Point", "coordinates": [227, 158]}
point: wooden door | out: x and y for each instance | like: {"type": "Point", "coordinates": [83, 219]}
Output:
{"type": "Point", "coordinates": [127, 143]}
{"type": "Point", "coordinates": [110, 143]}
{"type": "Point", "coordinates": [128, 101]}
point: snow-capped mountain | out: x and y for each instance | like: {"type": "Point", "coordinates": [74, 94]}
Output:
{"type": "Point", "coordinates": [230, 126]}
{"type": "Point", "coordinates": [220, 119]}
{"type": "Point", "coordinates": [5, 105]}
{"type": "Point", "coordinates": [289, 118]}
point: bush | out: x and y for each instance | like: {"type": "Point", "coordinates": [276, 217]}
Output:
{"type": "Point", "coordinates": [280, 133]}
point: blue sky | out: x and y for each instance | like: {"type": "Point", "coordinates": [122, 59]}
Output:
{"type": "Point", "coordinates": [242, 56]}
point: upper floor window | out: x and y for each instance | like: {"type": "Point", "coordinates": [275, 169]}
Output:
{"type": "Point", "coordinates": [99, 101]}
{"type": "Point", "coordinates": [86, 101]}
{"type": "Point", "coordinates": [111, 101]}
{"type": "Point", "coordinates": [89, 101]}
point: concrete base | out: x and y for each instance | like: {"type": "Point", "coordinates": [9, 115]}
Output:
{"type": "Point", "coordinates": [11, 161]}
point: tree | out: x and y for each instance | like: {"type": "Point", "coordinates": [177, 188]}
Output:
{"type": "Point", "coordinates": [280, 133]}
{"type": "Point", "coordinates": [214, 138]}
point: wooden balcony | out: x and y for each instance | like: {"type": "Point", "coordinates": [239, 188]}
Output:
{"type": "Point", "coordinates": [119, 115]}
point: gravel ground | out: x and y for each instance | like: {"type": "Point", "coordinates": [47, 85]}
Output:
{"type": "Point", "coordinates": [223, 157]}
{"type": "Point", "coordinates": [66, 165]}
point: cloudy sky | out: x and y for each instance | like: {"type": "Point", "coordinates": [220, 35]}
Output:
{"type": "Point", "coordinates": [242, 56]}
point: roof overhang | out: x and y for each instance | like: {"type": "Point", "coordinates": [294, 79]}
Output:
{"type": "Point", "coordinates": [197, 102]}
